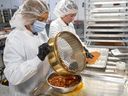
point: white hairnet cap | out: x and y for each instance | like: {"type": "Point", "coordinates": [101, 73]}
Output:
{"type": "Point", "coordinates": [65, 7]}
{"type": "Point", "coordinates": [28, 12]}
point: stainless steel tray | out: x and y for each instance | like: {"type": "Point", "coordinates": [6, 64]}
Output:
{"type": "Point", "coordinates": [107, 20]}
{"type": "Point", "coordinates": [108, 35]}
{"type": "Point", "coordinates": [103, 46]}
{"type": "Point", "coordinates": [106, 14]}
{"type": "Point", "coordinates": [101, 62]}
{"type": "Point", "coordinates": [110, 2]}
{"type": "Point", "coordinates": [108, 30]}
{"type": "Point", "coordinates": [108, 25]}
{"type": "Point", "coordinates": [115, 9]}
{"type": "Point", "coordinates": [101, 40]}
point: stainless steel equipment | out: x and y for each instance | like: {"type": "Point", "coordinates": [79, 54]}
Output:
{"type": "Point", "coordinates": [94, 84]}
{"type": "Point", "coordinates": [97, 84]}
{"type": "Point", "coordinates": [106, 23]}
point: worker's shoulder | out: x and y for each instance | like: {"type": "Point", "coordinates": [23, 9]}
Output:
{"type": "Point", "coordinates": [71, 24]}
{"type": "Point", "coordinates": [55, 22]}
{"type": "Point", "coordinates": [15, 34]}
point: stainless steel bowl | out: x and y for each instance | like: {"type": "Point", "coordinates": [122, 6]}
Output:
{"type": "Point", "coordinates": [64, 89]}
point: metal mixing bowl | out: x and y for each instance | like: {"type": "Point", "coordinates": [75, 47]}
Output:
{"type": "Point", "coordinates": [64, 89]}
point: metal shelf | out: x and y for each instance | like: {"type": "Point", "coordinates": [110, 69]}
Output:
{"type": "Point", "coordinates": [109, 25]}
{"type": "Point", "coordinates": [110, 14]}
{"type": "Point", "coordinates": [106, 21]}
{"type": "Point", "coordinates": [115, 9]}
{"type": "Point", "coordinates": [109, 2]}
{"type": "Point", "coordinates": [103, 46]}
{"type": "Point", "coordinates": [108, 30]}
{"type": "Point", "coordinates": [102, 40]}
{"type": "Point", "coordinates": [109, 35]}
{"type": "Point", "coordinates": [105, 27]}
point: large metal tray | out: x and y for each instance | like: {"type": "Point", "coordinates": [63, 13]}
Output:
{"type": "Point", "coordinates": [108, 35]}
{"type": "Point", "coordinates": [115, 9]}
{"type": "Point", "coordinates": [109, 30]}
{"type": "Point", "coordinates": [107, 19]}
{"type": "Point", "coordinates": [110, 2]}
{"type": "Point", "coordinates": [108, 25]}
{"type": "Point", "coordinates": [101, 62]}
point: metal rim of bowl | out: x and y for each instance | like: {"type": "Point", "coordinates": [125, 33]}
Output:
{"type": "Point", "coordinates": [54, 58]}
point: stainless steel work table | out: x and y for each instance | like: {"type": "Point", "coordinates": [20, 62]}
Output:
{"type": "Point", "coordinates": [4, 90]}
{"type": "Point", "coordinates": [97, 84]}
{"type": "Point", "coordinates": [94, 83]}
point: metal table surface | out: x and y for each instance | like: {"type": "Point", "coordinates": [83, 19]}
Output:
{"type": "Point", "coordinates": [96, 85]}
{"type": "Point", "coordinates": [4, 90]}
{"type": "Point", "coordinates": [92, 85]}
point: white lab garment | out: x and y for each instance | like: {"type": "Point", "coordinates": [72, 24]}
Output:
{"type": "Point", "coordinates": [24, 69]}
{"type": "Point", "coordinates": [59, 25]}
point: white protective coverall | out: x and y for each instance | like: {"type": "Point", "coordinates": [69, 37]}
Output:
{"type": "Point", "coordinates": [23, 69]}
{"type": "Point", "coordinates": [63, 8]}
{"type": "Point", "coordinates": [58, 25]}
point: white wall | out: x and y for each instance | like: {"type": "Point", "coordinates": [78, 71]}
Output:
{"type": "Point", "coordinates": [80, 10]}
{"type": "Point", "coordinates": [52, 4]}
{"type": "Point", "coordinates": [5, 4]}
{"type": "Point", "coordinates": [16, 3]}
{"type": "Point", "coordinates": [9, 4]}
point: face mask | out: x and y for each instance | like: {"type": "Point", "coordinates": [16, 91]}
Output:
{"type": "Point", "coordinates": [38, 26]}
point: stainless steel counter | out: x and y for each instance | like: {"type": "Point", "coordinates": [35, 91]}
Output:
{"type": "Point", "coordinates": [102, 83]}
{"type": "Point", "coordinates": [4, 90]}
{"type": "Point", "coordinates": [97, 85]}
{"type": "Point", "coordinates": [92, 85]}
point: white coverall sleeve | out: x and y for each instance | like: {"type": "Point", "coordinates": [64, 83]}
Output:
{"type": "Point", "coordinates": [54, 29]}
{"type": "Point", "coordinates": [17, 69]}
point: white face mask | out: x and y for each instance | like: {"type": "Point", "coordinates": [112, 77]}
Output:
{"type": "Point", "coordinates": [38, 26]}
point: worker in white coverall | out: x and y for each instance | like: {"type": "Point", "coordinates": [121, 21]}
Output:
{"type": "Point", "coordinates": [26, 49]}
{"type": "Point", "coordinates": [65, 11]}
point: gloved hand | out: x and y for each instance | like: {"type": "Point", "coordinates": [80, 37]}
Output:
{"type": "Point", "coordinates": [43, 51]}
{"type": "Point", "coordinates": [88, 54]}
